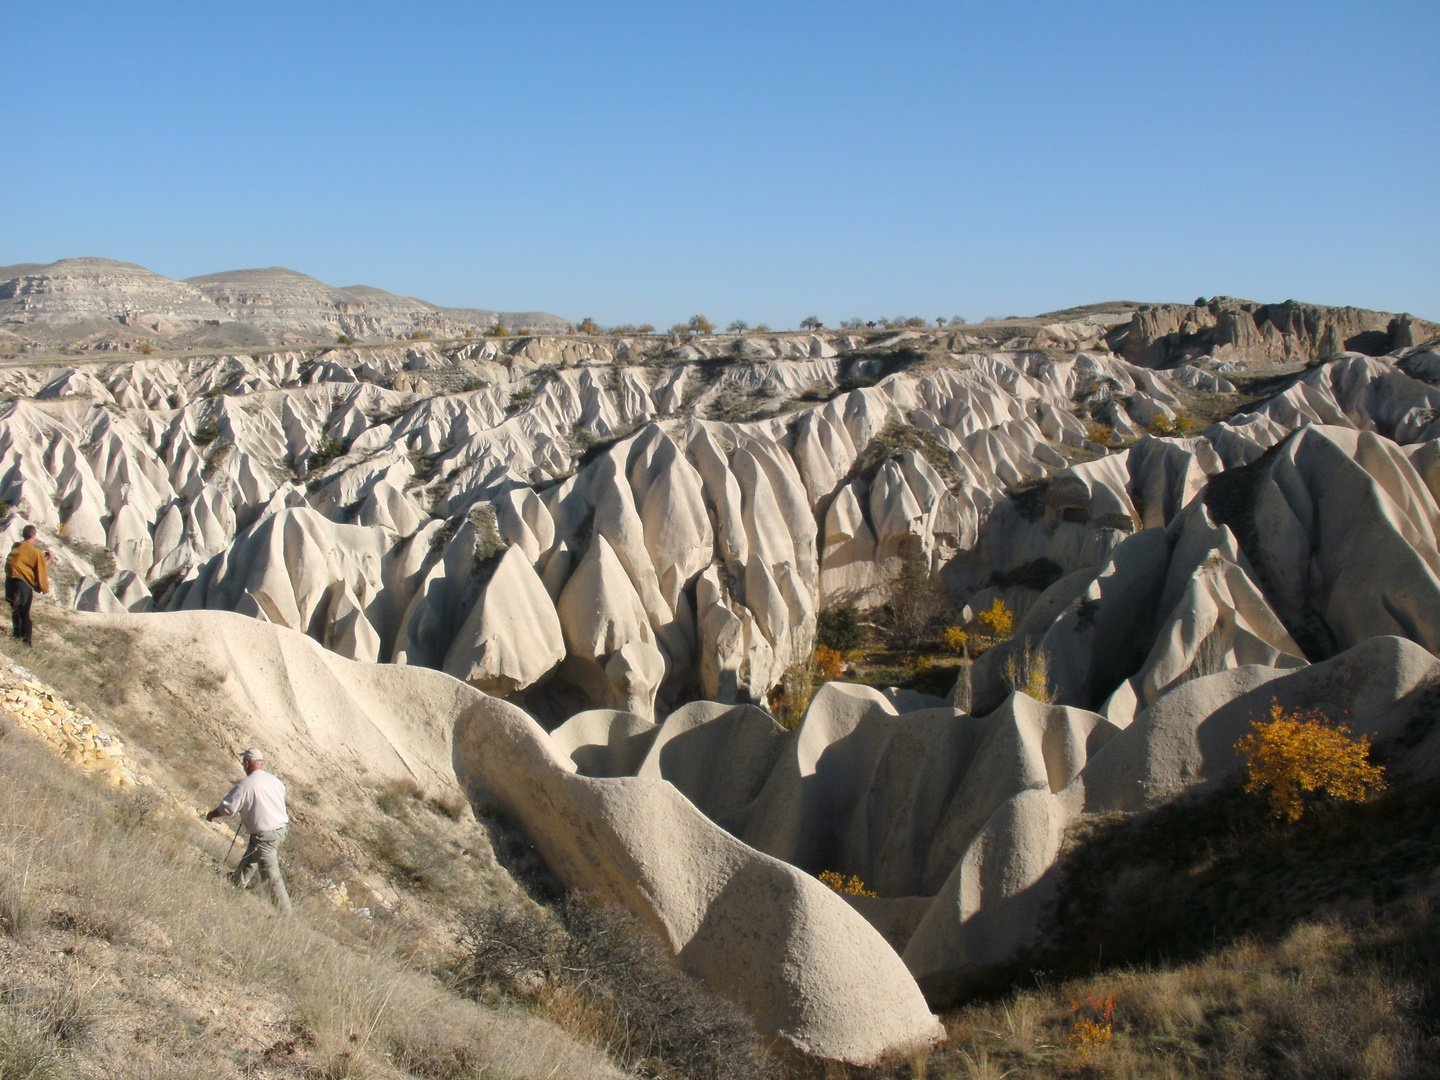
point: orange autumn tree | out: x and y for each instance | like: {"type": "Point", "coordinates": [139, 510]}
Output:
{"type": "Point", "coordinates": [1294, 753]}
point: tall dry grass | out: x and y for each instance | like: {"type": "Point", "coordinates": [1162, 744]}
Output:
{"type": "Point", "coordinates": [81, 864]}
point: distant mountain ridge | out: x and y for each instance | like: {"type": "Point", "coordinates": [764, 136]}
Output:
{"type": "Point", "coordinates": [105, 303]}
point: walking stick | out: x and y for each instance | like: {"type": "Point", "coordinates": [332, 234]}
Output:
{"type": "Point", "coordinates": [231, 848]}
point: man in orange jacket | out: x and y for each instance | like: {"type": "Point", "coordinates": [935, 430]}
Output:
{"type": "Point", "coordinates": [25, 572]}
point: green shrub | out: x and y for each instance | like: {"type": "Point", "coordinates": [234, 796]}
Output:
{"type": "Point", "coordinates": [839, 627]}
{"type": "Point", "coordinates": [206, 433]}
{"type": "Point", "coordinates": [329, 449]}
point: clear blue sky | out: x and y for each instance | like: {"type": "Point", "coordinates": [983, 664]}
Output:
{"type": "Point", "coordinates": [765, 161]}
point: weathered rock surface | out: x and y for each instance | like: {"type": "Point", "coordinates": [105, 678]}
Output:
{"type": "Point", "coordinates": [1255, 335]}
{"type": "Point", "coordinates": [791, 952]}
{"type": "Point", "coordinates": [631, 540]}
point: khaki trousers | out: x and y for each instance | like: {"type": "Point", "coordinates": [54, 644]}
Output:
{"type": "Point", "coordinates": [262, 853]}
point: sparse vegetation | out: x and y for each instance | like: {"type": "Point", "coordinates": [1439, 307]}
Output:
{"type": "Point", "coordinates": [487, 532]}
{"type": "Point", "coordinates": [1100, 434]}
{"type": "Point", "coordinates": [598, 970]}
{"type": "Point", "coordinates": [344, 339]}
{"type": "Point", "coordinates": [1163, 426]}
{"type": "Point", "coordinates": [419, 335]}
{"type": "Point", "coordinates": [894, 440]}
{"type": "Point", "coordinates": [1297, 753]}
{"type": "Point", "coordinates": [122, 945]}
{"type": "Point", "coordinates": [738, 326]}
{"type": "Point", "coordinates": [588, 326]}
{"type": "Point", "coordinates": [1027, 671]}
{"type": "Point", "coordinates": [207, 432]}
{"type": "Point", "coordinates": [699, 324]}
{"type": "Point", "coordinates": [498, 330]}
{"type": "Point", "coordinates": [327, 451]}
{"type": "Point", "coordinates": [519, 398]}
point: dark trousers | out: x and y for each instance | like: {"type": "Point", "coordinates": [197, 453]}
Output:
{"type": "Point", "coordinates": [21, 596]}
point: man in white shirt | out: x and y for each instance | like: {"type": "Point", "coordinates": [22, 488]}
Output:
{"type": "Point", "coordinates": [259, 799]}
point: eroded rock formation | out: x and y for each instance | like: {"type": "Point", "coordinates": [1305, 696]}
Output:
{"type": "Point", "coordinates": [629, 541]}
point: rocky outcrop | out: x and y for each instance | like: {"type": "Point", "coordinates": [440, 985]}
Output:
{"type": "Point", "coordinates": [1254, 335]}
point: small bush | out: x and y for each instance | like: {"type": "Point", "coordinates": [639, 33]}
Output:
{"type": "Point", "coordinates": [1100, 433]}
{"type": "Point", "coordinates": [395, 794]}
{"type": "Point", "coordinates": [956, 640]}
{"type": "Point", "coordinates": [1293, 754]}
{"type": "Point", "coordinates": [839, 627]}
{"type": "Point", "coordinates": [1166, 427]}
{"type": "Point", "coordinates": [588, 326]}
{"type": "Point", "coordinates": [828, 663]}
{"type": "Point", "coordinates": [147, 348]}
{"type": "Point", "coordinates": [329, 449]}
{"type": "Point", "coordinates": [344, 339]}
{"type": "Point", "coordinates": [419, 335]}
{"type": "Point", "coordinates": [498, 330]}
{"type": "Point", "coordinates": [851, 886]}
{"type": "Point", "coordinates": [206, 433]}
{"type": "Point", "coordinates": [519, 398]}
{"type": "Point", "coordinates": [790, 699]}
{"type": "Point", "coordinates": [1093, 1026]}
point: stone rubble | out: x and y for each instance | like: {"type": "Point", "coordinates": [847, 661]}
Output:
{"type": "Point", "coordinates": [38, 709]}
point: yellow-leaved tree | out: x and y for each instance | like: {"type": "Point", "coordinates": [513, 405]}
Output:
{"type": "Point", "coordinates": [1302, 751]}
{"type": "Point", "coordinates": [999, 619]}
